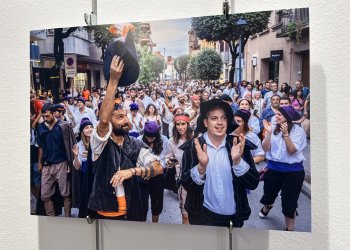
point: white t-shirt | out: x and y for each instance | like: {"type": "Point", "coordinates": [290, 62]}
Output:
{"type": "Point", "coordinates": [256, 140]}
{"type": "Point", "coordinates": [136, 126]}
{"type": "Point", "coordinates": [278, 151]}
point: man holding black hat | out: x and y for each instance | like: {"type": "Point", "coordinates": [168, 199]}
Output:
{"type": "Point", "coordinates": [217, 169]}
{"type": "Point", "coordinates": [118, 159]}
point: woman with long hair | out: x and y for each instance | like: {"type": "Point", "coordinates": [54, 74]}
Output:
{"type": "Point", "coordinates": [298, 101]}
{"type": "Point", "coordinates": [80, 162]}
{"type": "Point", "coordinates": [284, 142]}
{"type": "Point", "coordinates": [154, 187]}
{"type": "Point", "coordinates": [285, 89]}
{"type": "Point", "coordinates": [258, 103]}
{"type": "Point", "coordinates": [173, 155]}
{"type": "Point", "coordinates": [151, 114]}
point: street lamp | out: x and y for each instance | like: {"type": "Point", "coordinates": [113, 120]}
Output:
{"type": "Point", "coordinates": [240, 22]}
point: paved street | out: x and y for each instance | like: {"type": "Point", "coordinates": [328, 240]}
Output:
{"type": "Point", "coordinates": [274, 221]}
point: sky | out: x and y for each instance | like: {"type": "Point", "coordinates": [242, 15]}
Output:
{"type": "Point", "coordinates": [171, 35]}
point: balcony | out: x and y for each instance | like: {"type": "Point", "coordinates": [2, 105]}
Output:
{"type": "Point", "coordinates": [294, 23]}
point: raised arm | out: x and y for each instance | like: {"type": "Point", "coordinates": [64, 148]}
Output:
{"type": "Point", "coordinates": [107, 107]}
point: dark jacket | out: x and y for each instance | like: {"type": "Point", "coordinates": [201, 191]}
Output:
{"type": "Point", "coordinates": [103, 197]}
{"type": "Point", "coordinates": [69, 141]}
{"type": "Point", "coordinates": [195, 197]}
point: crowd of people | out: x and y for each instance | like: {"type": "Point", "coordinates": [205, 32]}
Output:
{"type": "Point", "coordinates": [108, 151]}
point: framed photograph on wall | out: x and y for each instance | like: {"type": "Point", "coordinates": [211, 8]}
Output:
{"type": "Point", "coordinates": [200, 121]}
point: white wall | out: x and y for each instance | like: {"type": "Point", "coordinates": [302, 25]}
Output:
{"type": "Point", "coordinates": [329, 48]}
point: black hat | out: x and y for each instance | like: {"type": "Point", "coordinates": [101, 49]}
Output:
{"type": "Point", "coordinates": [243, 113]}
{"type": "Point", "coordinates": [127, 51]}
{"type": "Point", "coordinates": [210, 105]}
{"type": "Point", "coordinates": [226, 98]}
{"type": "Point", "coordinates": [84, 122]}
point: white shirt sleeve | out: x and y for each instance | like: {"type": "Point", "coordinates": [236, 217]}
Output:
{"type": "Point", "coordinates": [197, 177]}
{"type": "Point", "coordinates": [98, 143]}
{"type": "Point", "coordinates": [241, 168]}
{"type": "Point", "coordinates": [254, 122]}
{"type": "Point", "coordinates": [146, 157]}
{"type": "Point", "coordinates": [298, 137]}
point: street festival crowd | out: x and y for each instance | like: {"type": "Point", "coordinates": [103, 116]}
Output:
{"type": "Point", "coordinates": [108, 151]}
{"type": "Point", "coordinates": [201, 140]}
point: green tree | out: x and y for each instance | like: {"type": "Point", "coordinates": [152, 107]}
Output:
{"type": "Point", "coordinates": [191, 68]}
{"type": "Point", "coordinates": [222, 28]}
{"type": "Point", "coordinates": [208, 65]}
{"type": "Point", "coordinates": [157, 65]}
{"type": "Point", "coordinates": [150, 66]}
{"type": "Point", "coordinates": [102, 36]}
{"type": "Point", "coordinates": [181, 65]}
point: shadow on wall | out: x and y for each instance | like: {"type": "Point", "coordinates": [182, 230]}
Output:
{"type": "Point", "coordinates": [63, 233]}
{"type": "Point", "coordinates": [264, 239]}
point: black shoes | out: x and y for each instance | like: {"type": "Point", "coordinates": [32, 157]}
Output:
{"type": "Point", "coordinates": [267, 208]}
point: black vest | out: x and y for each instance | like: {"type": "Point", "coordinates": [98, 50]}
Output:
{"type": "Point", "coordinates": [103, 196]}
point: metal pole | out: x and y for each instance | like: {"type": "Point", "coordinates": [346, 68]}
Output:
{"type": "Point", "coordinates": [240, 59]}
{"type": "Point", "coordinates": [97, 234]}
{"type": "Point", "coordinates": [94, 8]}
{"type": "Point", "coordinates": [230, 235]}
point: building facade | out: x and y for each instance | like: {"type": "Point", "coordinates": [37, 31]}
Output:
{"type": "Point", "coordinates": [89, 63]}
{"type": "Point", "coordinates": [281, 52]}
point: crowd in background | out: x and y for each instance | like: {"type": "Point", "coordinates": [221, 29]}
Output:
{"type": "Point", "coordinates": [164, 116]}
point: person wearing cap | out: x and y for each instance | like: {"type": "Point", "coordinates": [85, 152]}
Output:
{"type": "Point", "coordinates": [226, 98]}
{"type": "Point", "coordinates": [284, 143]}
{"type": "Point", "coordinates": [55, 161]}
{"type": "Point", "coordinates": [154, 187]}
{"type": "Point", "coordinates": [217, 169]}
{"type": "Point", "coordinates": [173, 155]}
{"type": "Point", "coordinates": [118, 159]}
{"type": "Point", "coordinates": [241, 117]}
{"type": "Point", "coordinates": [193, 110]}
{"type": "Point", "coordinates": [136, 120]}
{"type": "Point", "coordinates": [83, 112]}
{"type": "Point", "coordinates": [60, 111]}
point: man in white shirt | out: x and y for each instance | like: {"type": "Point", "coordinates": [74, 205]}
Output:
{"type": "Point", "coordinates": [229, 90]}
{"type": "Point", "coordinates": [217, 169]}
{"type": "Point", "coordinates": [82, 112]}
